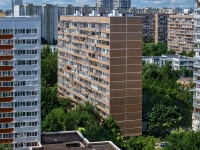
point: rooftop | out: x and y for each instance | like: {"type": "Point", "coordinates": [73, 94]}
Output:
{"type": "Point", "coordinates": [185, 79]}
{"type": "Point", "coordinates": [71, 140]}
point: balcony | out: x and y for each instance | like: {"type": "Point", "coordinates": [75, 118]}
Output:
{"type": "Point", "coordinates": [196, 104]}
{"type": "Point", "coordinates": [196, 65]}
{"type": "Point", "coordinates": [196, 122]}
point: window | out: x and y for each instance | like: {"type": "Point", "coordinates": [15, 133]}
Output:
{"type": "Point", "coordinates": [6, 84]}
{"type": "Point", "coordinates": [27, 104]}
{"type": "Point", "coordinates": [26, 62]}
{"type": "Point", "coordinates": [6, 31]}
{"type": "Point", "coordinates": [26, 41]}
{"type": "Point", "coordinates": [27, 73]}
{"type": "Point", "coordinates": [26, 93]}
{"type": "Point", "coordinates": [6, 125]}
{"type": "Point", "coordinates": [6, 52]}
{"type": "Point", "coordinates": [6, 73]}
{"type": "Point", "coordinates": [6, 105]}
{"type": "Point", "coordinates": [25, 31]}
{"type": "Point", "coordinates": [6, 115]}
{"type": "Point", "coordinates": [6, 94]}
{"type": "Point", "coordinates": [6, 63]}
{"type": "Point", "coordinates": [6, 42]}
{"type": "Point", "coordinates": [25, 114]}
{"type": "Point", "coordinates": [6, 136]}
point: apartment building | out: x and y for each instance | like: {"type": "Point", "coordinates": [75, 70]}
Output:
{"type": "Point", "coordinates": [70, 9]}
{"type": "Point", "coordinates": [20, 81]}
{"type": "Point", "coordinates": [49, 19]}
{"type": "Point", "coordinates": [154, 27]}
{"type": "Point", "coordinates": [177, 61]}
{"type": "Point", "coordinates": [107, 6]}
{"type": "Point", "coordinates": [196, 78]}
{"type": "Point", "coordinates": [100, 60]}
{"type": "Point", "coordinates": [16, 2]}
{"type": "Point", "coordinates": [181, 33]}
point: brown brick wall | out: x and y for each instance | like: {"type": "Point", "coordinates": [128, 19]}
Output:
{"type": "Point", "coordinates": [126, 74]}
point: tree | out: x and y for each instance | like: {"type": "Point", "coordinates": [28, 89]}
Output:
{"type": "Point", "coordinates": [44, 41]}
{"type": "Point", "coordinates": [171, 51]}
{"type": "Point", "coordinates": [6, 146]}
{"type": "Point", "coordinates": [189, 54]}
{"type": "Point", "coordinates": [160, 85]}
{"type": "Point", "coordinates": [179, 139]}
{"type": "Point", "coordinates": [152, 49]}
{"type": "Point", "coordinates": [163, 117]}
{"type": "Point", "coordinates": [45, 52]}
{"type": "Point", "coordinates": [49, 67]}
{"type": "Point", "coordinates": [141, 143]}
{"type": "Point", "coordinates": [65, 104]}
{"type": "Point", "coordinates": [55, 121]}
{"type": "Point", "coordinates": [49, 100]}
{"type": "Point", "coordinates": [183, 53]}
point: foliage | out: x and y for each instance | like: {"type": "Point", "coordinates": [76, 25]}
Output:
{"type": "Point", "coordinates": [49, 100]}
{"type": "Point", "coordinates": [86, 119]}
{"type": "Point", "coordinates": [44, 41]}
{"type": "Point", "coordinates": [190, 54]}
{"type": "Point", "coordinates": [181, 140]}
{"type": "Point", "coordinates": [159, 85]}
{"type": "Point", "coordinates": [141, 143]}
{"type": "Point", "coordinates": [163, 117]}
{"type": "Point", "coordinates": [184, 72]}
{"type": "Point", "coordinates": [54, 121]}
{"type": "Point", "coordinates": [171, 51]}
{"type": "Point", "coordinates": [152, 49]}
{"type": "Point", "coordinates": [4, 146]}
{"type": "Point", "coordinates": [49, 66]}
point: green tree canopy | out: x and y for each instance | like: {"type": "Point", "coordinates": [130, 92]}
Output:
{"type": "Point", "coordinates": [141, 143]}
{"type": "Point", "coordinates": [55, 121]}
{"type": "Point", "coordinates": [163, 117]}
{"type": "Point", "coordinates": [181, 140]}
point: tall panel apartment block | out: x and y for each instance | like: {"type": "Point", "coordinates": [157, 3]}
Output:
{"type": "Point", "coordinates": [181, 33]}
{"type": "Point", "coordinates": [154, 27]}
{"type": "Point", "coordinates": [100, 60]}
{"type": "Point", "coordinates": [20, 81]}
{"type": "Point", "coordinates": [196, 78]}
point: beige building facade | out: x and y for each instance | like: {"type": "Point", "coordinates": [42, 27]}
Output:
{"type": "Point", "coordinates": [181, 33]}
{"type": "Point", "coordinates": [100, 60]}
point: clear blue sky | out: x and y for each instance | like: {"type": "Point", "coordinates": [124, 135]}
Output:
{"type": "Point", "coordinates": [6, 4]}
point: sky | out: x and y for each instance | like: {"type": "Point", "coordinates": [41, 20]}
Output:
{"type": "Point", "coordinates": [6, 4]}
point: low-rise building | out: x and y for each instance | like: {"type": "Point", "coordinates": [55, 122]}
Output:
{"type": "Point", "coordinates": [186, 82]}
{"type": "Point", "coordinates": [177, 61]}
{"type": "Point", "coordinates": [70, 140]}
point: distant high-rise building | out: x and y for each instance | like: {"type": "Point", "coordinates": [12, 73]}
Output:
{"type": "Point", "coordinates": [20, 81]}
{"type": "Point", "coordinates": [121, 4]}
{"type": "Point", "coordinates": [100, 61]}
{"type": "Point", "coordinates": [108, 5]}
{"type": "Point", "coordinates": [196, 78]}
{"type": "Point", "coordinates": [16, 2]}
{"type": "Point", "coordinates": [180, 33]}
{"type": "Point", "coordinates": [49, 18]}
{"type": "Point", "coordinates": [154, 27]}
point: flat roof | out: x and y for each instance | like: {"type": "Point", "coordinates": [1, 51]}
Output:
{"type": "Point", "coordinates": [185, 79]}
{"type": "Point", "coordinates": [71, 140]}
